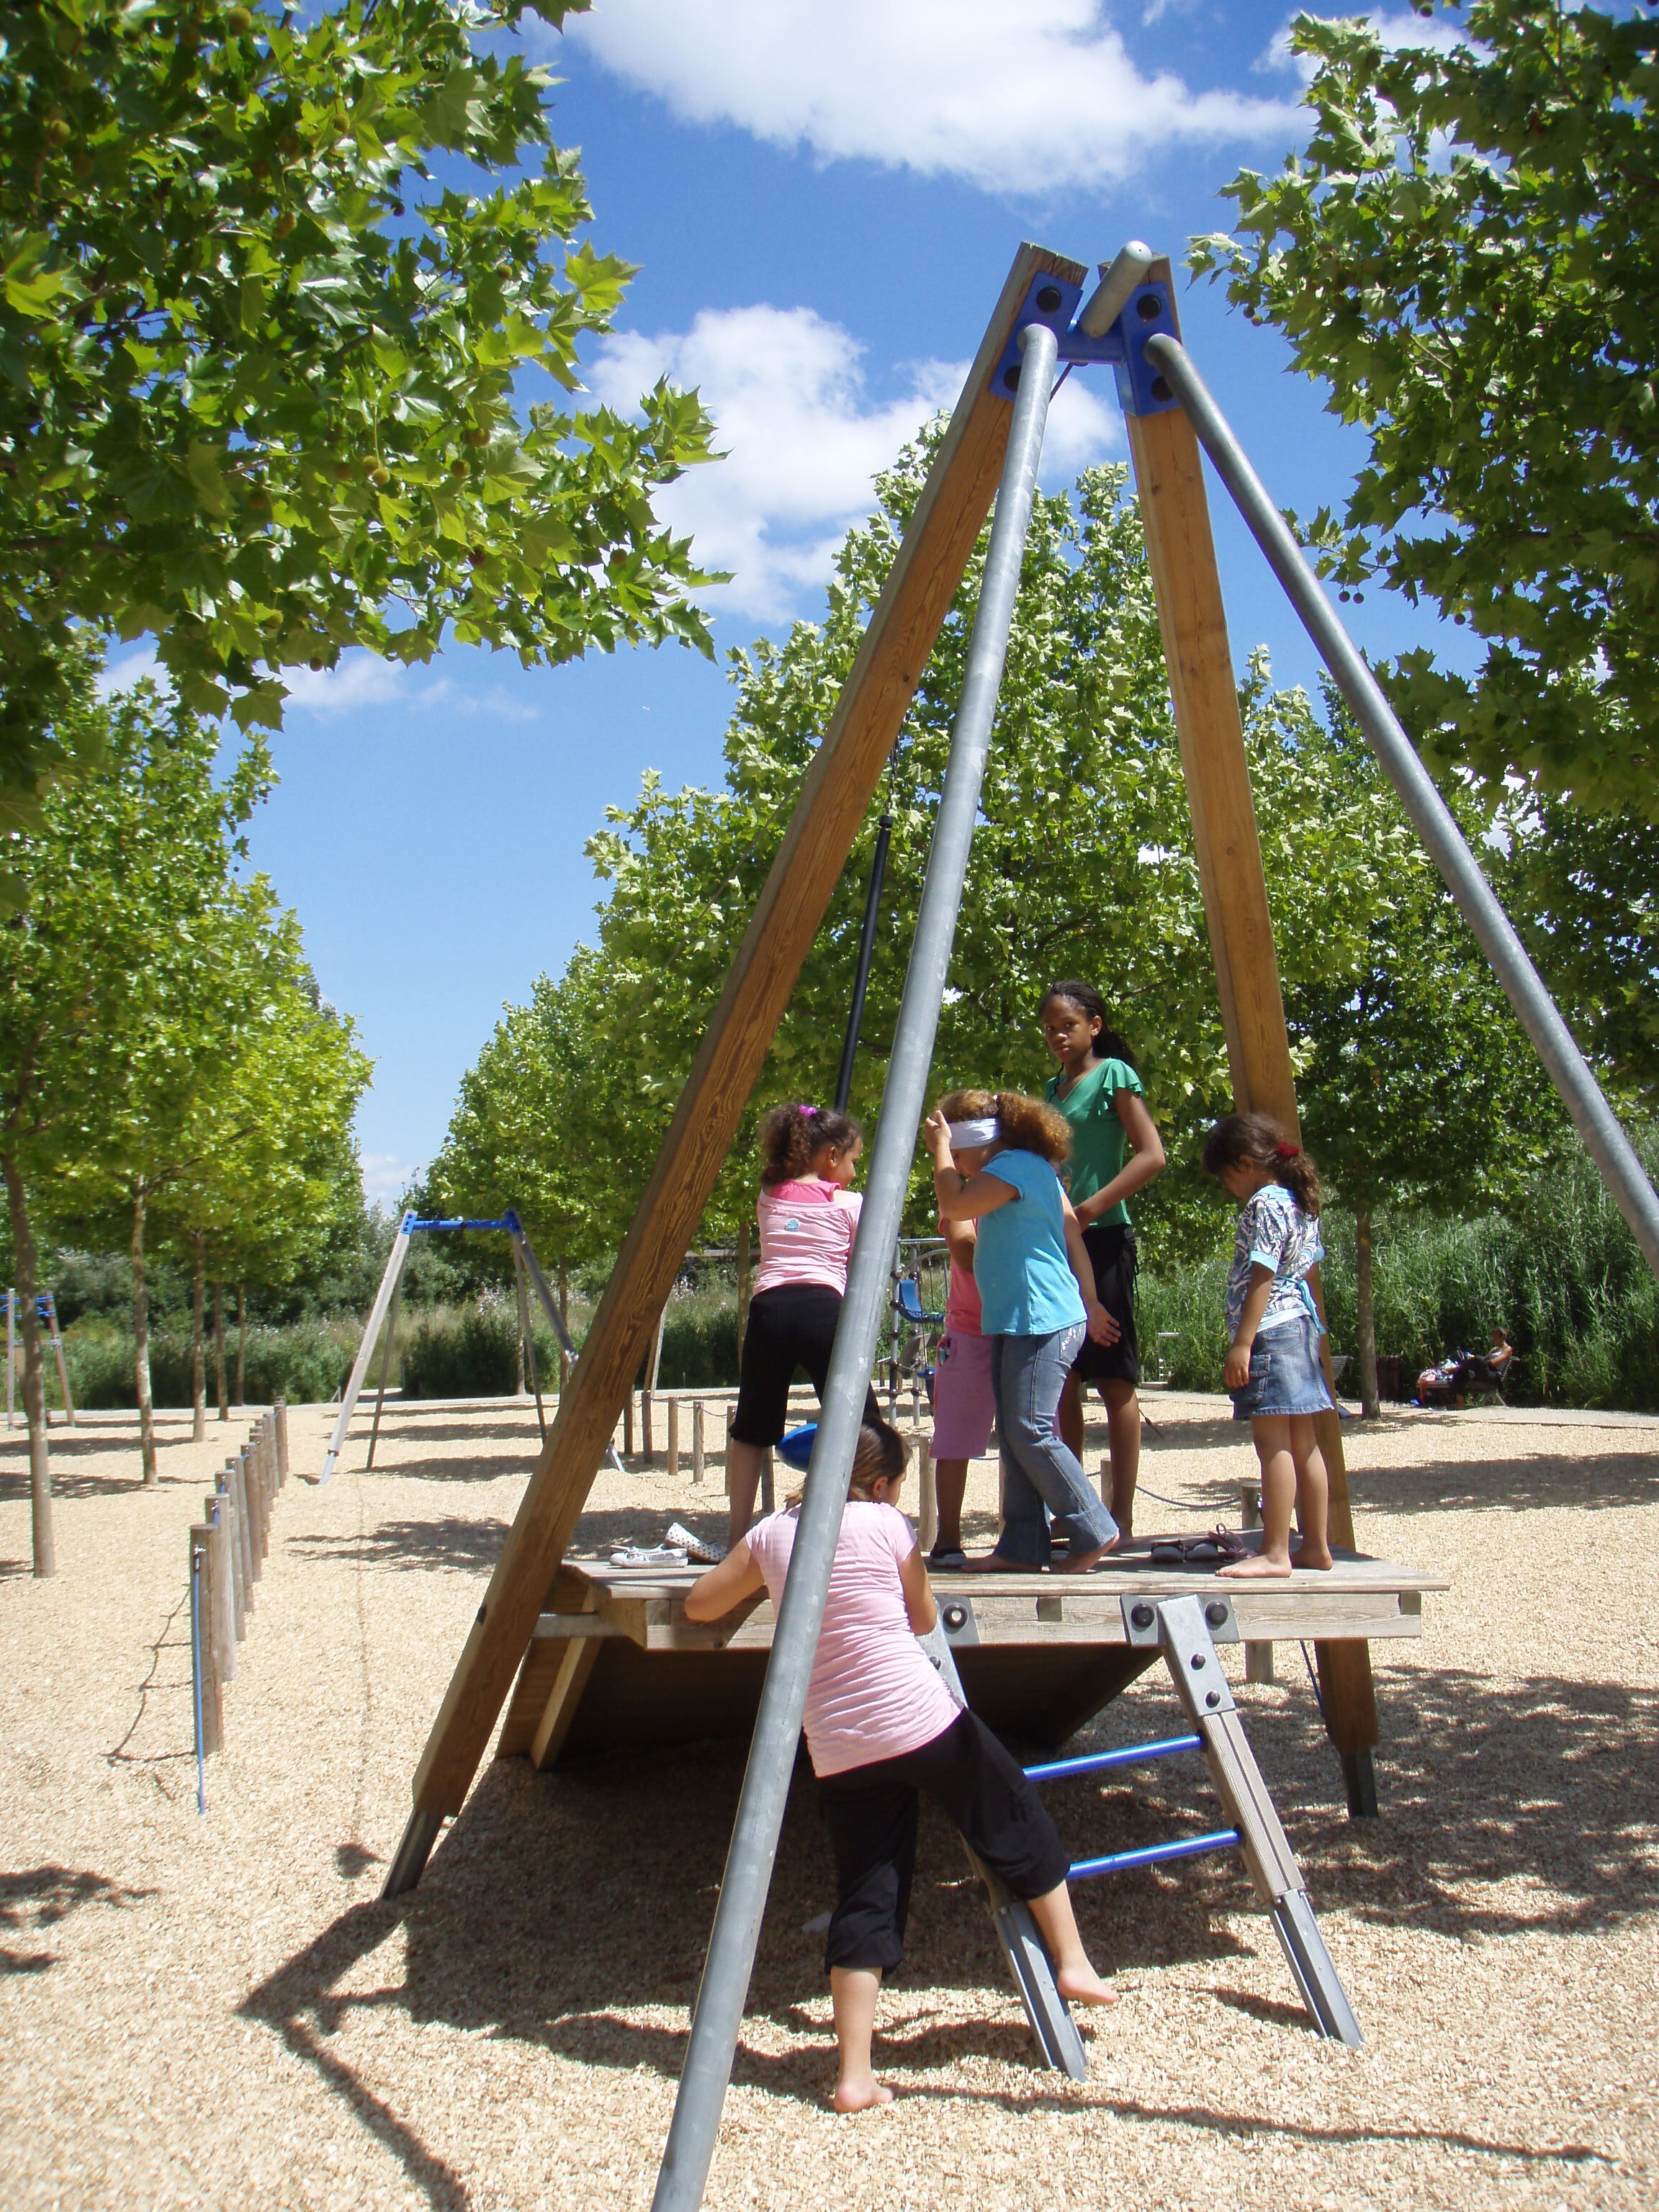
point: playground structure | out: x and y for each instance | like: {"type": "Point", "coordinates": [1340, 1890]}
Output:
{"type": "Point", "coordinates": [46, 1307]}
{"type": "Point", "coordinates": [992, 446]}
{"type": "Point", "coordinates": [383, 1315]}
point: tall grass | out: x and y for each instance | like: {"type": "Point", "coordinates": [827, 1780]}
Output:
{"type": "Point", "coordinates": [1563, 1276]}
{"type": "Point", "coordinates": [305, 1363]}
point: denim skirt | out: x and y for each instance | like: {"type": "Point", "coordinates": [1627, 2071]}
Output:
{"type": "Point", "coordinates": [1286, 1376]}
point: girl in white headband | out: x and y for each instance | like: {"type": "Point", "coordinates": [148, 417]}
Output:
{"type": "Point", "coordinates": [995, 1163]}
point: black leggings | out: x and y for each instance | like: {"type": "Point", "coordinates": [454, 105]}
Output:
{"type": "Point", "coordinates": [792, 1326]}
{"type": "Point", "coordinates": [870, 1813]}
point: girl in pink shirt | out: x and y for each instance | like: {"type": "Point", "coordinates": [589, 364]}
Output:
{"type": "Point", "coordinates": [808, 1218]}
{"type": "Point", "coordinates": [881, 1727]}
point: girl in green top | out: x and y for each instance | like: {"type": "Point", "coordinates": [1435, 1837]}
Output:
{"type": "Point", "coordinates": [1115, 1150]}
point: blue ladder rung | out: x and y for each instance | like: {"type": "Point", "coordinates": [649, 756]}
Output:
{"type": "Point", "coordinates": [1132, 1756]}
{"type": "Point", "coordinates": [1121, 1862]}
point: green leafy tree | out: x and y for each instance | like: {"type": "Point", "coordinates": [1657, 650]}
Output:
{"type": "Point", "coordinates": [257, 1201]}
{"type": "Point", "coordinates": [1467, 253]}
{"type": "Point", "coordinates": [261, 354]}
{"type": "Point", "coordinates": [113, 981]}
{"type": "Point", "coordinates": [1418, 1088]}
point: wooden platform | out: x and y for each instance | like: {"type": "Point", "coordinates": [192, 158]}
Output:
{"type": "Point", "coordinates": [614, 1660]}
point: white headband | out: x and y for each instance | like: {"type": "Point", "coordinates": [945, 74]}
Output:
{"type": "Point", "coordinates": [963, 1135]}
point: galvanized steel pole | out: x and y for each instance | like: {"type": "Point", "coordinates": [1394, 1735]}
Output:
{"type": "Point", "coordinates": [1596, 1123]}
{"type": "Point", "coordinates": [719, 2014]}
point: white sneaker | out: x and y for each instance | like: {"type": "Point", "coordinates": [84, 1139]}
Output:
{"type": "Point", "coordinates": [694, 1546]}
{"type": "Point", "coordinates": [638, 1555]}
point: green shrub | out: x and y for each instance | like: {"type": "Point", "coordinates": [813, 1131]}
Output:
{"type": "Point", "coordinates": [472, 1352]}
{"type": "Point", "coordinates": [305, 1363]}
{"type": "Point", "coordinates": [699, 1340]}
{"type": "Point", "coordinates": [1563, 1276]}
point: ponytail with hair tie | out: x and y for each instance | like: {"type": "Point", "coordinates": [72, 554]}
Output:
{"type": "Point", "coordinates": [1287, 1151]}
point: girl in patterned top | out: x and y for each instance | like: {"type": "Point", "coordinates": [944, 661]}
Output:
{"type": "Point", "coordinates": [1273, 1372]}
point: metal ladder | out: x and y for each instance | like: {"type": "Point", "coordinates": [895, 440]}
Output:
{"type": "Point", "coordinates": [1186, 1630]}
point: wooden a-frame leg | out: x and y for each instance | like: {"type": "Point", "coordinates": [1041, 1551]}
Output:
{"type": "Point", "coordinates": [580, 1656]}
{"type": "Point", "coordinates": [1187, 581]}
{"type": "Point", "coordinates": [836, 796]}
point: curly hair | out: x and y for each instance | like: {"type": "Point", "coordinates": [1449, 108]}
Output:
{"type": "Point", "coordinates": [1033, 1126]}
{"type": "Point", "coordinates": [968, 1105]}
{"type": "Point", "coordinates": [792, 1137]}
{"type": "Point", "coordinates": [1252, 1140]}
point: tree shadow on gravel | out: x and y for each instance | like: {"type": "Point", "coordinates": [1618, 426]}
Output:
{"type": "Point", "coordinates": [44, 1896]}
{"type": "Point", "coordinates": [473, 1547]}
{"type": "Point", "coordinates": [1529, 1482]}
{"type": "Point", "coordinates": [558, 1904]}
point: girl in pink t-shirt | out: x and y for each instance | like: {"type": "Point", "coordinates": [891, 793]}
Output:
{"type": "Point", "coordinates": [808, 1218]}
{"type": "Point", "coordinates": [881, 1727]}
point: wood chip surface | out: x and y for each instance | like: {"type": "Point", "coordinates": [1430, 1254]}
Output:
{"type": "Point", "coordinates": [219, 2011]}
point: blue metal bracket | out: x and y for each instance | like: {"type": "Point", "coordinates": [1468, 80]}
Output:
{"type": "Point", "coordinates": [1149, 312]}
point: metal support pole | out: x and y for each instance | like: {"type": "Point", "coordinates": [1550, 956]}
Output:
{"type": "Point", "coordinates": [57, 1353]}
{"type": "Point", "coordinates": [719, 2012]}
{"type": "Point", "coordinates": [389, 1282]}
{"type": "Point", "coordinates": [527, 1338]}
{"type": "Point", "coordinates": [866, 953]}
{"type": "Point", "coordinates": [521, 1245]}
{"type": "Point", "coordinates": [1596, 1123]}
{"type": "Point", "coordinates": [386, 1369]}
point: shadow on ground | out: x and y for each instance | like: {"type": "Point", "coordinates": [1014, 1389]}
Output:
{"type": "Point", "coordinates": [553, 1907]}
{"type": "Point", "coordinates": [44, 1896]}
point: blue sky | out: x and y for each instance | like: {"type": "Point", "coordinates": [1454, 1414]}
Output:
{"type": "Point", "coordinates": [823, 200]}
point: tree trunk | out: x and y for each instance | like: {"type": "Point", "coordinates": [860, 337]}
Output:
{"type": "Point", "coordinates": [198, 1345]}
{"type": "Point", "coordinates": [35, 1380]}
{"type": "Point", "coordinates": [241, 1340]}
{"type": "Point", "coordinates": [141, 1341]}
{"type": "Point", "coordinates": [1370, 1405]}
{"type": "Point", "coordinates": [742, 1281]}
{"type": "Point", "coordinates": [219, 1351]}
{"type": "Point", "coordinates": [564, 1315]}
{"type": "Point", "coordinates": [517, 1388]}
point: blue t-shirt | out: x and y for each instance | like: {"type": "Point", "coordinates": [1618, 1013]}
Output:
{"type": "Point", "coordinates": [1026, 1286]}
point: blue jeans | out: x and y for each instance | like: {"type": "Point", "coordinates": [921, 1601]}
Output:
{"type": "Point", "coordinates": [1028, 1374]}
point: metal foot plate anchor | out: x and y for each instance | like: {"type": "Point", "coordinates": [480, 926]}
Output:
{"type": "Point", "coordinates": [412, 1854]}
{"type": "Point", "coordinates": [1033, 1970]}
{"type": "Point", "coordinates": [1183, 1634]}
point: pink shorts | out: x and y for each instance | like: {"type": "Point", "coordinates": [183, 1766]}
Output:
{"type": "Point", "coordinates": [964, 1403]}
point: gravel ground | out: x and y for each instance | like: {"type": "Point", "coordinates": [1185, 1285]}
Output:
{"type": "Point", "coordinates": [219, 2011]}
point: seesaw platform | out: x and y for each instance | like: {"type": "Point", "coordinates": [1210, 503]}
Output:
{"type": "Point", "coordinates": [614, 1662]}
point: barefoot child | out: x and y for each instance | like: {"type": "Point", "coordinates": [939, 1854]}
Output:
{"type": "Point", "coordinates": [1038, 1300]}
{"type": "Point", "coordinates": [881, 1727]}
{"type": "Point", "coordinates": [808, 1216]}
{"type": "Point", "coordinates": [1273, 1369]}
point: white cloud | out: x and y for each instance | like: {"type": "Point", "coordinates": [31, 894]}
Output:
{"type": "Point", "coordinates": [362, 680]}
{"type": "Point", "coordinates": [130, 669]}
{"type": "Point", "coordinates": [803, 442]}
{"type": "Point", "coordinates": [386, 1177]}
{"type": "Point", "coordinates": [1026, 97]}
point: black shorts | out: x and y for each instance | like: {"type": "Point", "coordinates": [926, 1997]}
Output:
{"type": "Point", "coordinates": [1111, 1249]}
{"type": "Point", "coordinates": [871, 1815]}
{"type": "Point", "coordinates": [792, 1326]}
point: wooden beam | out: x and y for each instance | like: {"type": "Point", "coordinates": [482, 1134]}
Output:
{"type": "Point", "coordinates": [1204, 687]}
{"type": "Point", "coordinates": [834, 799]}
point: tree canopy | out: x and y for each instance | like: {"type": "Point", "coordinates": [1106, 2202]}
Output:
{"type": "Point", "coordinates": [163, 1044]}
{"type": "Point", "coordinates": [1081, 864]}
{"type": "Point", "coordinates": [1468, 254]}
{"type": "Point", "coordinates": [260, 346]}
